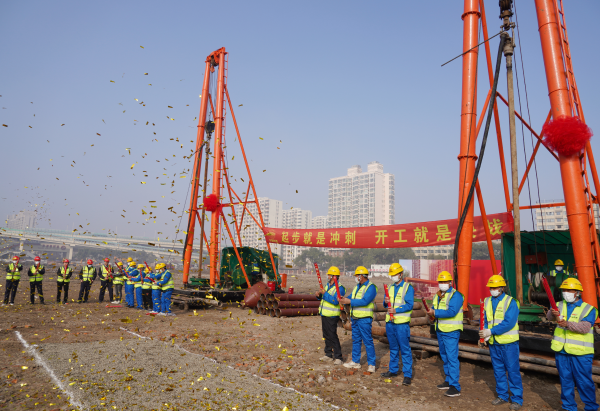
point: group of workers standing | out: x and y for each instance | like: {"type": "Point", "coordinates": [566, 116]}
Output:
{"type": "Point", "coordinates": [151, 290]}
{"type": "Point", "coordinates": [573, 341]}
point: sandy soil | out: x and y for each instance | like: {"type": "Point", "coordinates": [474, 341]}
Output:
{"type": "Point", "coordinates": [119, 358]}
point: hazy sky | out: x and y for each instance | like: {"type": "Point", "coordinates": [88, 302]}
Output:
{"type": "Point", "coordinates": [338, 83]}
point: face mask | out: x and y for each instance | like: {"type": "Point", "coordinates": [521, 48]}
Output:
{"type": "Point", "coordinates": [329, 278]}
{"type": "Point", "coordinates": [37, 263]}
{"type": "Point", "coordinates": [395, 278]}
{"type": "Point", "coordinates": [495, 293]}
{"type": "Point", "coordinates": [444, 287]}
{"type": "Point", "coordinates": [89, 265]}
{"type": "Point", "coordinates": [568, 297]}
{"type": "Point", "coordinates": [357, 280]}
{"type": "Point", "coordinates": [559, 268]}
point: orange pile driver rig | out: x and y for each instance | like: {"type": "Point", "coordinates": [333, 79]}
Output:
{"type": "Point", "coordinates": [215, 97]}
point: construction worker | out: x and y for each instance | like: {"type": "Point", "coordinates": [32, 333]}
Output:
{"type": "Point", "coordinates": [558, 268]}
{"type": "Point", "coordinates": [448, 304]}
{"type": "Point", "coordinates": [87, 275]}
{"type": "Point", "coordinates": [329, 310]}
{"type": "Point", "coordinates": [63, 279]}
{"type": "Point", "coordinates": [573, 344]}
{"type": "Point", "coordinates": [147, 289]}
{"type": "Point", "coordinates": [106, 280]}
{"type": "Point", "coordinates": [501, 331]}
{"type": "Point", "coordinates": [118, 280]}
{"type": "Point", "coordinates": [256, 271]}
{"type": "Point", "coordinates": [361, 312]}
{"type": "Point", "coordinates": [13, 276]}
{"type": "Point", "coordinates": [36, 275]}
{"type": "Point", "coordinates": [400, 304]}
{"type": "Point", "coordinates": [156, 293]}
{"type": "Point", "coordinates": [138, 282]}
{"type": "Point", "coordinates": [129, 284]}
{"type": "Point", "coordinates": [166, 285]}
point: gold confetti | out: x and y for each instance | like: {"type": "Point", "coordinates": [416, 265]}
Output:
{"type": "Point", "coordinates": [133, 165]}
{"type": "Point", "coordinates": [112, 81]}
{"type": "Point", "coordinates": [141, 46]}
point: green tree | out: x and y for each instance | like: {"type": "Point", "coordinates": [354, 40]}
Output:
{"type": "Point", "coordinates": [480, 251]}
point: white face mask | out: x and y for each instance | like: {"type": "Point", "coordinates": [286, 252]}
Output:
{"type": "Point", "coordinates": [395, 278]}
{"type": "Point", "coordinates": [357, 279]}
{"type": "Point", "coordinates": [568, 297]}
{"type": "Point", "coordinates": [495, 293]}
{"type": "Point", "coordinates": [37, 263]}
{"type": "Point", "coordinates": [329, 278]}
{"type": "Point", "coordinates": [559, 268]}
{"type": "Point", "coordinates": [444, 287]}
{"type": "Point", "coordinates": [89, 265]}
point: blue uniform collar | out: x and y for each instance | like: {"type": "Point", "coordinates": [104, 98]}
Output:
{"type": "Point", "coordinates": [576, 303]}
{"type": "Point", "coordinates": [500, 297]}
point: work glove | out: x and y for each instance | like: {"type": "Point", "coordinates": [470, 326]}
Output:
{"type": "Point", "coordinates": [485, 333]}
{"type": "Point", "coordinates": [486, 339]}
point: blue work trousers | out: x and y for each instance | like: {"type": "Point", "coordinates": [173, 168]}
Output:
{"type": "Point", "coordinates": [166, 300]}
{"type": "Point", "coordinates": [139, 297]}
{"type": "Point", "coordinates": [156, 300]}
{"type": "Point", "coordinates": [505, 360]}
{"type": "Point", "coordinates": [448, 343]}
{"type": "Point", "coordinates": [399, 337]}
{"type": "Point", "coordinates": [576, 370]}
{"type": "Point", "coordinates": [361, 333]}
{"type": "Point", "coordinates": [129, 297]}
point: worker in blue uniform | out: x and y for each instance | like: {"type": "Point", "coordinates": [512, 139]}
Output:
{"type": "Point", "coordinates": [361, 312]}
{"type": "Point", "coordinates": [397, 323]}
{"type": "Point", "coordinates": [131, 271]}
{"type": "Point", "coordinates": [573, 344]}
{"type": "Point", "coordinates": [448, 312]}
{"type": "Point", "coordinates": [330, 310]}
{"type": "Point", "coordinates": [138, 282]}
{"type": "Point", "coordinates": [559, 266]}
{"type": "Point", "coordinates": [501, 331]}
{"type": "Point", "coordinates": [166, 285]}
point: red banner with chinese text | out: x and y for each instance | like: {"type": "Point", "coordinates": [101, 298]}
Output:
{"type": "Point", "coordinates": [389, 236]}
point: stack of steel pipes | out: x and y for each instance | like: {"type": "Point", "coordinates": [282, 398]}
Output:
{"type": "Point", "coordinates": [287, 305]}
{"type": "Point", "coordinates": [417, 317]}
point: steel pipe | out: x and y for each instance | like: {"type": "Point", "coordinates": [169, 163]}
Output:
{"type": "Point", "coordinates": [292, 297]}
{"type": "Point", "coordinates": [295, 312]}
{"type": "Point", "coordinates": [295, 304]}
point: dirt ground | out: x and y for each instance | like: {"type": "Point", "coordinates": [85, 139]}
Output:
{"type": "Point", "coordinates": [217, 359]}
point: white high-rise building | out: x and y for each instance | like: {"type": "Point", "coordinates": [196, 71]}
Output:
{"type": "Point", "coordinates": [319, 222]}
{"type": "Point", "coordinates": [362, 199]}
{"type": "Point", "coordinates": [294, 219]}
{"type": "Point", "coordinates": [252, 235]}
{"type": "Point", "coordinates": [555, 218]}
{"type": "Point", "coordinates": [22, 220]}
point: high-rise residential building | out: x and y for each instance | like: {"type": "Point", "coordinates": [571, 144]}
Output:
{"type": "Point", "coordinates": [555, 218]}
{"type": "Point", "coordinates": [295, 219]}
{"type": "Point", "coordinates": [438, 250]}
{"type": "Point", "coordinates": [319, 222]}
{"type": "Point", "coordinates": [22, 220]}
{"type": "Point", "coordinates": [362, 199]}
{"type": "Point", "coordinates": [252, 235]}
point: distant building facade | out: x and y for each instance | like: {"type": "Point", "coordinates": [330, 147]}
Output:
{"type": "Point", "coordinates": [319, 222]}
{"type": "Point", "coordinates": [438, 250]}
{"type": "Point", "coordinates": [295, 219]}
{"type": "Point", "coordinates": [555, 218]}
{"type": "Point", "coordinates": [22, 220]}
{"type": "Point", "coordinates": [251, 233]}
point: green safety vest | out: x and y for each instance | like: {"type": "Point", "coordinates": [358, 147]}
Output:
{"type": "Point", "coordinates": [553, 273]}
{"type": "Point", "coordinates": [13, 274]}
{"type": "Point", "coordinates": [255, 269]}
{"type": "Point", "coordinates": [138, 284]}
{"type": "Point", "coordinates": [574, 343]}
{"type": "Point", "coordinates": [129, 270]}
{"type": "Point", "coordinates": [399, 318]}
{"type": "Point", "coordinates": [146, 285]}
{"type": "Point", "coordinates": [119, 278]}
{"type": "Point", "coordinates": [155, 285]}
{"type": "Point", "coordinates": [88, 273]}
{"type": "Point", "coordinates": [327, 309]}
{"type": "Point", "coordinates": [447, 324]}
{"type": "Point", "coordinates": [62, 275]}
{"type": "Point", "coordinates": [105, 271]}
{"type": "Point", "coordinates": [495, 318]}
{"type": "Point", "coordinates": [37, 276]}
{"type": "Point", "coordinates": [367, 310]}
{"type": "Point", "coordinates": [170, 284]}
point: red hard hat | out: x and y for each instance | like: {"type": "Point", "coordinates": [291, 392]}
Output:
{"type": "Point", "coordinates": [65, 261]}
{"type": "Point", "coordinates": [106, 260]}
{"type": "Point", "coordinates": [16, 257]}
{"type": "Point", "coordinates": [90, 262]}
{"type": "Point", "coordinates": [37, 258]}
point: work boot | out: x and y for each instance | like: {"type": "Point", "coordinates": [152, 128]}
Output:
{"type": "Point", "coordinates": [337, 362]}
{"type": "Point", "coordinates": [352, 364]}
{"type": "Point", "coordinates": [443, 386]}
{"type": "Point", "coordinates": [371, 369]}
{"type": "Point", "coordinates": [452, 392]}
{"type": "Point", "coordinates": [407, 381]}
{"type": "Point", "coordinates": [498, 401]}
{"type": "Point", "coordinates": [326, 358]}
{"type": "Point", "coordinates": [515, 406]}
{"type": "Point", "coordinates": [388, 374]}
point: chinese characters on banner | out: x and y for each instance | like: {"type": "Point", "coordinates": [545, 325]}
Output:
{"type": "Point", "coordinates": [390, 236]}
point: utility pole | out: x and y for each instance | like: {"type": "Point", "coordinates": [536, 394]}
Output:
{"type": "Point", "coordinates": [506, 14]}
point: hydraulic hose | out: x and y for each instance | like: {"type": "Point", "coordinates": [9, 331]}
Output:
{"type": "Point", "coordinates": [480, 158]}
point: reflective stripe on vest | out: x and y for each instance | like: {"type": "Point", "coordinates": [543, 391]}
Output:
{"type": "Point", "coordinates": [36, 275]}
{"type": "Point", "coordinates": [169, 284]}
{"type": "Point", "coordinates": [62, 274]}
{"type": "Point", "coordinates": [574, 343]}
{"type": "Point", "coordinates": [14, 274]}
{"type": "Point", "coordinates": [326, 309]}
{"type": "Point", "coordinates": [365, 311]}
{"type": "Point", "coordinates": [495, 318]}
{"type": "Point", "coordinates": [88, 273]}
{"type": "Point", "coordinates": [447, 324]}
{"type": "Point", "coordinates": [399, 318]}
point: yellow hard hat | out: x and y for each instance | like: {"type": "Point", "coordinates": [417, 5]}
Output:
{"type": "Point", "coordinates": [132, 263]}
{"type": "Point", "coordinates": [571, 284]}
{"type": "Point", "coordinates": [129, 259]}
{"type": "Point", "coordinates": [360, 270]}
{"type": "Point", "coordinates": [140, 266]}
{"type": "Point", "coordinates": [444, 276]}
{"type": "Point", "coordinates": [159, 266]}
{"type": "Point", "coordinates": [496, 281]}
{"type": "Point", "coordinates": [119, 263]}
{"type": "Point", "coordinates": [146, 271]}
{"type": "Point", "coordinates": [559, 262]}
{"type": "Point", "coordinates": [333, 270]}
{"type": "Point", "coordinates": [395, 269]}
